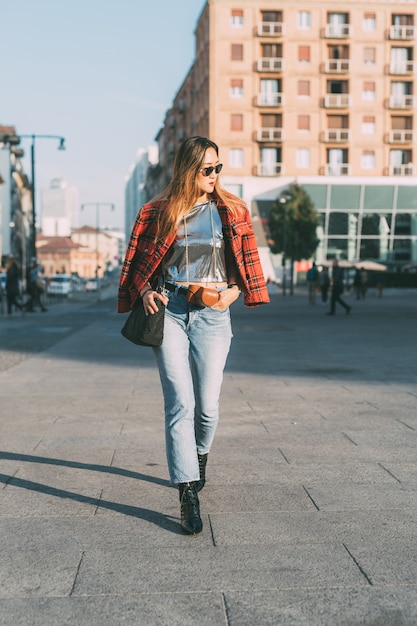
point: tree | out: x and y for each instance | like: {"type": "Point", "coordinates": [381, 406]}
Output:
{"type": "Point", "coordinates": [293, 221]}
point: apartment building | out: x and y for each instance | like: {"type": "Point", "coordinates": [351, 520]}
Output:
{"type": "Point", "coordinates": [318, 92]}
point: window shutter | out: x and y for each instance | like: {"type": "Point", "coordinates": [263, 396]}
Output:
{"type": "Point", "coordinates": [236, 121]}
{"type": "Point", "coordinates": [237, 52]}
{"type": "Point", "coordinates": [303, 87]}
{"type": "Point", "coordinates": [303, 122]}
{"type": "Point", "coordinates": [304, 53]}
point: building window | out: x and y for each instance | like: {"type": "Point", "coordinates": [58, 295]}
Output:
{"type": "Point", "coordinates": [271, 163]}
{"type": "Point", "coordinates": [304, 88]}
{"type": "Point", "coordinates": [236, 121]}
{"type": "Point", "coordinates": [368, 125]}
{"type": "Point", "coordinates": [302, 158]}
{"type": "Point", "coordinates": [271, 92]}
{"type": "Point", "coordinates": [304, 20]}
{"type": "Point", "coordinates": [368, 160]}
{"type": "Point", "coordinates": [368, 92]}
{"type": "Point", "coordinates": [237, 52]}
{"type": "Point", "coordinates": [303, 123]}
{"type": "Point", "coordinates": [304, 54]}
{"type": "Point", "coordinates": [236, 88]}
{"type": "Point", "coordinates": [338, 25]}
{"type": "Point", "coordinates": [401, 60]}
{"type": "Point", "coordinates": [369, 56]}
{"type": "Point", "coordinates": [236, 157]}
{"type": "Point", "coordinates": [236, 18]}
{"type": "Point", "coordinates": [369, 22]}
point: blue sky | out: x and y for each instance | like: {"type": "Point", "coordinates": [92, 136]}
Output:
{"type": "Point", "coordinates": [101, 74]}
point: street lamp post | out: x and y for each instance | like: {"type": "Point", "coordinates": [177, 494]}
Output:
{"type": "Point", "coordinates": [97, 206]}
{"type": "Point", "coordinates": [284, 197]}
{"type": "Point", "coordinates": [61, 146]}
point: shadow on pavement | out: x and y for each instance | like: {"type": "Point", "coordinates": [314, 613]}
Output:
{"type": "Point", "coordinates": [164, 521]}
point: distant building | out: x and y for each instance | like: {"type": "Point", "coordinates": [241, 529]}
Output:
{"type": "Point", "coordinates": [312, 91]}
{"type": "Point", "coordinates": [15, 200]}
{"type": "Point", "coordinates": [59, 206]}
{"type": "Point", "coordinates": [103, 244]}
{"type": "Point", "coordinates": [61, 255]}
{"type": "Point", "coordinates": [135, 190]}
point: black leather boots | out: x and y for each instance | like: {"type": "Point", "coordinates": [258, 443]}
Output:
{"type": "Point", "coordinates": [190, 506]}
{"type": "Point", "coordinates": [190, 509]}
{"type": "Point", "coordinates": [202, 462]}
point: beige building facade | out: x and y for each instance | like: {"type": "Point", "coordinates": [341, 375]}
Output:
{"type": "Point", "coordinates": [319, 92]}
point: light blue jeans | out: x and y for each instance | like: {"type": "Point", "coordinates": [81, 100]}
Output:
{"type": "Point", "coordinates": [191, 361]}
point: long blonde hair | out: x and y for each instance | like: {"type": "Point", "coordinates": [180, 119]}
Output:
{"type": "Point", "coordinates": [183, 192]}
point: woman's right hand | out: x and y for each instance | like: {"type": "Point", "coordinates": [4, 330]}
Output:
{"type": "Point", "coordinates": [150, 299]}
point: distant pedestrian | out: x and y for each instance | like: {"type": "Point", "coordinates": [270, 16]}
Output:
{"type": "Point", "coordinates": [357, 284]}
{"type": "Point", "coordinates": [364, 283]}
{"type": "Point", "coordinates": [35, 289]}
{"type": "Point", "coordinates": [312, 283]}
{"type": "Point", "coordinates": [12, 286]}
{"type": "Point", "coordinates": [337, 289]}
{"type": "Point", "coordinates": [380, 284]}
{"type": "Point", "coordinates": [324, 282]}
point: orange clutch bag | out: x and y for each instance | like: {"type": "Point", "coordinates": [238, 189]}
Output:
{"type": "Point", "coordinates": [202, 296]}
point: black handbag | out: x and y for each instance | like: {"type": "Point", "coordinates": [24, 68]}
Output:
{"type": "Point", "coordinates": [145, 330]}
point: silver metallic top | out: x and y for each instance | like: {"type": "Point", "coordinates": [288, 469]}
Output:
{"type": "Point", "coordinates": [198, 250]}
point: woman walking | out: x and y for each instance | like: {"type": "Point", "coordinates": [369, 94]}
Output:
{"type": "Point", "coordinates": [193, 233]}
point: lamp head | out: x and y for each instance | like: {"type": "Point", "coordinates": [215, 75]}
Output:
{"type": "Point", "coordinates": [61, 143]}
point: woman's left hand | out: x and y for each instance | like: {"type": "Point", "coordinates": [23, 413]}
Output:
{"type": "Point", "coordinates": [227, 297]}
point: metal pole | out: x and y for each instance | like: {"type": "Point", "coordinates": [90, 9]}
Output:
{"type": "Point", "coordinates": [97, 251]}
{"type": "Point", "coordinates": [33, 224]}
{"type": "Point", "coordinates": [284, 246]}
{"type": "Point", "coordinates": [32, 231]}
{"type": "Point", "coordinates": [97, 205]}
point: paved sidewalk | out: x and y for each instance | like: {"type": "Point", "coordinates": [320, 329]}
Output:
{"type": "Point", "coordinates": [310, 507]}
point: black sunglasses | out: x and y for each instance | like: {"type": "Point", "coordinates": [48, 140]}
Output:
{"type": "Point", "coordinates": [206, 171]}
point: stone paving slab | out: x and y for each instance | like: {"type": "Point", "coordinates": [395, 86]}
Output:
{"type": "Point", "coordinates": [370, 496]}
{"type": "Point", "coordinates": [303, 527]}
{"type": "Point", "coordinates": [392, 563]}
{"type": "Point", "coordinates": [393, 606]}
{"type": "Point", "coordinates": [201, 569]}
{"type": "Point", "coordinates": [29, 573]}
{"type": "Point", "coordinates": [25, 498]}
{"type": "Point", "coordinates": [158, 609]}
{"type": "Point", "coordinates": [278, 472]}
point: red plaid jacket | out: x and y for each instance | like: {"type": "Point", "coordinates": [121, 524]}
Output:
{"type": "Point", "coordinates": [144, 256]}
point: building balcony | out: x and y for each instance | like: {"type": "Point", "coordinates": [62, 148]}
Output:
{"type": "Point", "coordinates": [270, 99]}
{"type": "Point", "coordinates": [401, 170]}
{"type": "Point", "coordinates": [337, 100]}
{"type": "Point", "coordinates": [337, 31]}
{"type": "Point", "coordinates": [404, 68]}
{"type": "Point", "coordinates": [270, 134]}
{"type": "Point", "coordinates": [400, 136]}
{"type": "Point", "coordinates": [337, 135]}
{"type": "Point", "coordinates": [270, 169]}
{"type": "Point", "coordinates": [404, 33]}
{"type": "Point", "coordinates": [337, 169]}
{"type": "Point", "coordinates": [270, 64]}
{"type": "Point", "coordinates": [271, 29]}
{"type": "Point", "coordinates": [401, 102]}
{"type": "Point", "coordinates": [337, 66]}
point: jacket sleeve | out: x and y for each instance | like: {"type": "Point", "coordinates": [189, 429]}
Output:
{"type": "Point", "coordinates": [143, 257]}
{"type": "Point", "coordinates": [242, 241]}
